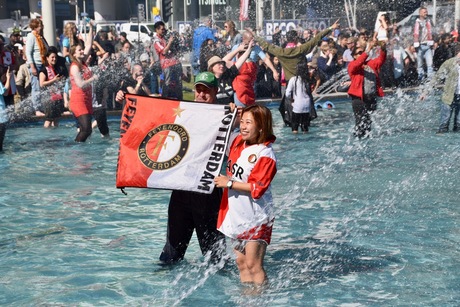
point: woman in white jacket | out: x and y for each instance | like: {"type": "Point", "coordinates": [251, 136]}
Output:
{"type": "Point", "coordinates": [299, 91]}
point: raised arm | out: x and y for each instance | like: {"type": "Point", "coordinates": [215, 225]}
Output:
{"type": "Point", "coordinates": [245, 55]}
{"type": "Point", "coordinates": [269, 64]}
{"type": "Point", "coordinates": [89, 39]}
{"type": "Point", "coordinates": [9, 76]}
{"type": "Point", "coordinates": [228, 58]}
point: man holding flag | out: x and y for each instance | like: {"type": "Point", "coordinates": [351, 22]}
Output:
{"type": "Point", "coordinates": [150, 158]}
{"type": "Point", "coordinates": [190, 211]}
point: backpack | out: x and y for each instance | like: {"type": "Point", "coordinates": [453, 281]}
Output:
{"type": "Point", "coordinates": [370, 82]}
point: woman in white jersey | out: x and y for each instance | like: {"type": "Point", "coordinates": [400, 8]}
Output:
{"type": "Point", "coordinates": [246, 212]}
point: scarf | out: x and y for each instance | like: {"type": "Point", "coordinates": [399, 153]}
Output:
{"type": "Point", "coordinates": [54, 91]}
{"type": "Point", "coordinates": [42, 46]}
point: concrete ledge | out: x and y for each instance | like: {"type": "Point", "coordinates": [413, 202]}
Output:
{"type": "Point", "coordinates": [264, 101]}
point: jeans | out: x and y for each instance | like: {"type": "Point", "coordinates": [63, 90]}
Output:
{"type": "Point", "coordinates": [424, 55]}
{"type": "Point", "coordinates": [172, 87]}
{"type": "Point", "coordinates": [153, 83]}
{"type": "Point", "coordinates": [35, 86]}
{"type": "Point", "coordinates": [238, 103]}
{"type": "Point", "coordinates": [446, 114]}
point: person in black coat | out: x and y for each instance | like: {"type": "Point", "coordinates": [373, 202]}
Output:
{"type": "Point", "coordinates": [443, 52]}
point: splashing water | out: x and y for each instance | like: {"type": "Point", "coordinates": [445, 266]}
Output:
{"type": "Point", "coordinates": [359, 222]}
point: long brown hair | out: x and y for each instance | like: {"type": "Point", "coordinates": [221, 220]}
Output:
{"type": "Point", "coordinates": [73, 58]}
{"type": "Point", "coordinates": [263, 120]}
{"type": "Point", "coordinates": [231, 28]}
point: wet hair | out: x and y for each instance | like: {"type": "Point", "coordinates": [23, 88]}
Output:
{"type": "Point", "coordinates": [263, 120]}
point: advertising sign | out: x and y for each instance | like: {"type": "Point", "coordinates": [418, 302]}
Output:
{"type": "Point", "coordinates": [286, 25]}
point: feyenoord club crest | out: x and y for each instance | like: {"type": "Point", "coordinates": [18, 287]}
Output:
{"type": "Point", "coordinates": [171, 137]}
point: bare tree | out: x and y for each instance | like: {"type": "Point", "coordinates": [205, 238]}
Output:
{"type": "Point", "coordinates": [350, 10]}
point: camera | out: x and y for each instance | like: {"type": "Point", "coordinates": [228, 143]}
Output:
{"type": "Point", "coordinates": [175, 46]}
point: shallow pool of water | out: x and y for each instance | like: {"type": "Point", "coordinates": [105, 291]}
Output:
{"type": "Point", "coordinates": [374, 222]}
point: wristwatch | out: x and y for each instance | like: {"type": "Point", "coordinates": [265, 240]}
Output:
{"type": "Point", "coordinates": [230, 184]}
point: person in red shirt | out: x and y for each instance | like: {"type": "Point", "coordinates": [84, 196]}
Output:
{"type": "Point", "coordinates": [365, 85]}
{"type": "Point", "coordinates": [170, 64]}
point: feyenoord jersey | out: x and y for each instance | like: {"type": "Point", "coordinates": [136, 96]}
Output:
{"type": "Point", "coordinates": [249, 215]}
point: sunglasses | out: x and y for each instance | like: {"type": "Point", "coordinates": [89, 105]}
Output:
{"type": "Point", "coordinates": [359, 52]}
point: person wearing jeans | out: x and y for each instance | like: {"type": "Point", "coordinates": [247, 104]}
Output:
{"type": "Point", "coordinates": [423, 42]}
{"type": "Point", "coordinates": [446, 114]}
{"type": "Point", "coordinates": [449, 72]}
{"type": "Point", "coordinates": [424, 55]}
{"type": "Point", "coordinates": [36, 48]}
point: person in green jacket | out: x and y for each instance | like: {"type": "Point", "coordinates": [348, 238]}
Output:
{"type": "Point", "coordinates": [449, 73]}
{"type": "Point", "coordinates": [290, 57]}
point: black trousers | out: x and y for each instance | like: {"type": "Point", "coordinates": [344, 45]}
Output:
{"type": "Point", "coordinates": [302, 119]}
{"type": "Point", "coordinates": [362, 109]}
{"type": "Point", "coordinates": [190, 211]}
{"type": "Point", "coordinates": [100, 115]}
{"type": "Point", "coordinates": [2, 135]}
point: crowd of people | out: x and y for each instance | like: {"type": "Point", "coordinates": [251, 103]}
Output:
{"type": "Point", "coordinates": [263, 72]}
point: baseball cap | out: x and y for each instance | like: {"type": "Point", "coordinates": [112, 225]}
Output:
{"type": "Point", "coordinates": [16, 31]}
{"type": "Point", "coordinates": [207, 79]}
{"type": "Point", "coordinates": [214, 60]}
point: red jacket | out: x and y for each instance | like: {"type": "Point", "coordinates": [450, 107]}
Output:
{"type": "Point", "coordinates": [356, 72]}
{"type": "Point", "coordinates": [243, 84]}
